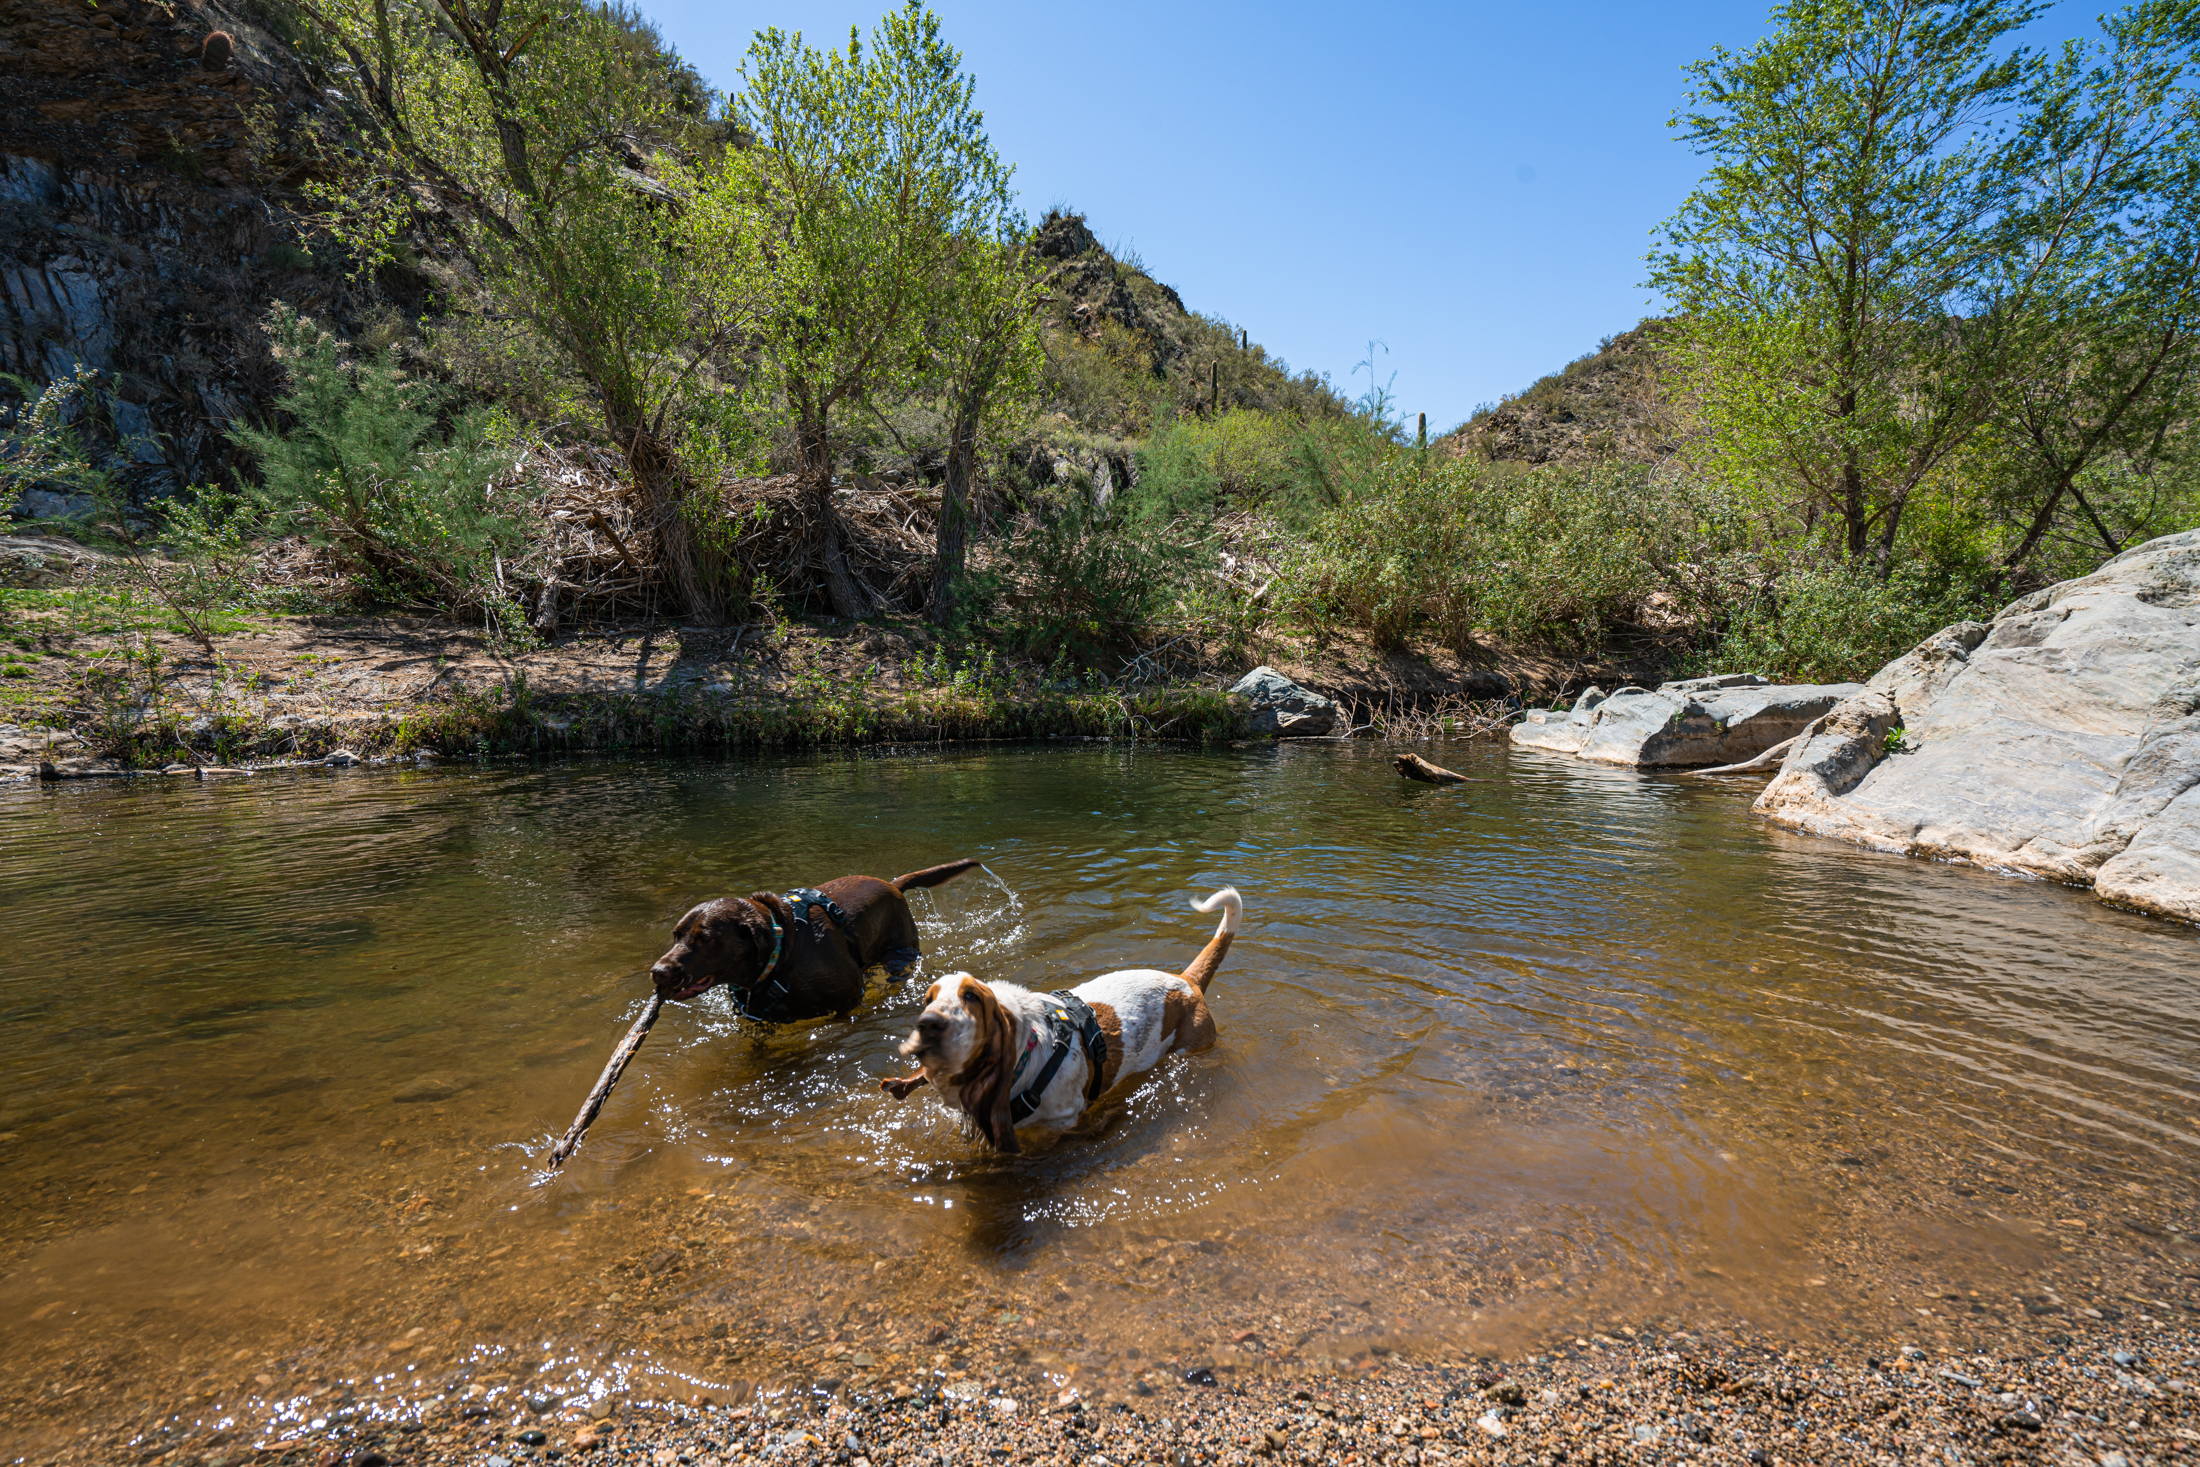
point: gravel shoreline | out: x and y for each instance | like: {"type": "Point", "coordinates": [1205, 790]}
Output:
{"type": "Point", "coordinates": [2101, 1396]}
{"type": "Point", "coordinates": [1679, 1397]}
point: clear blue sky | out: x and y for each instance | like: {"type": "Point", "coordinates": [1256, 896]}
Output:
{"type": "Point", "coordinates": [1472, 184]}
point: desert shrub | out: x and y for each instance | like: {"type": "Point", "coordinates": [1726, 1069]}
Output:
{"type": "Point", "coordinates": [1541, 554]}
{"type": "Point", "coordinates": [500, 360]}
{"type": "Point", "coordinates": [284, 255]}
{"type": "Point", "coordinates": [384, 470]}
{"type": "Point", "coordinates": [1247, 458]}
{"type": "Point", "coordinates": [1194, 466]}
{"type": "Point", "coordinates": [1106, 382]}
{"type": "Point", "coordinates": [40, 445]}
{"type": "Point", "coordinates": [208, 532]}
{"type": "Point", "coordinates": [1073, 583]}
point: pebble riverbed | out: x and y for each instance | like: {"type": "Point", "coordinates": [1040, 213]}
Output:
{"type": "Point", "coordinates": [2089, 1395]}
{"type": "Point", "coordinates": [2091, 1360]}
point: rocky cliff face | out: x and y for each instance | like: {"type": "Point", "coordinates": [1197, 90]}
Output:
{"type": "Point", "coordinates": [146, 199]}
{"type": "Point", "coordinates": [1087, 286]}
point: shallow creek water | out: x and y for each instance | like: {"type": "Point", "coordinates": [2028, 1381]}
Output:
{"type": "Point", "coordinates": [1558, 1052]}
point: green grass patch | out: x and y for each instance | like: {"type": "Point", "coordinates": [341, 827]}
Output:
{"type": "Point", "coordinates": [112, 610]}
{"type": "Point", "coordinates": [512, 719]}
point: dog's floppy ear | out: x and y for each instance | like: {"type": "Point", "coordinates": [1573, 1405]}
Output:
{"type": "Point", "coordinates": [772, 905]}
{"type": "Point", "coordinates": [985, 1082]}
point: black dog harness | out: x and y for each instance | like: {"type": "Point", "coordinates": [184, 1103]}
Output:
{"type": "Point", "coordinates": [803, 898]}
{"type": "Point", "coordinates": [803, 901]}
{"type": "Point", "coordinates": [899, 963]}
{"type": "Point", "coordinates": [1073, 1022]}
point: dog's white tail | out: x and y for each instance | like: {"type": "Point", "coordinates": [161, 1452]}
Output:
{"type": "Point", "coordinates": [1202, 970]}
{"type": "Point", "coordinates": [1233, 908]}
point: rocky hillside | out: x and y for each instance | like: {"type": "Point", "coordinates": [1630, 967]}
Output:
{"type": "Point", "coordinates": [1089, 289]}
{"type": "Point", "coordinates": [1097, 300]}
{"type": "Point", "coordinates": [1606, 405]}
{"type": "Point", "coordinates": [1125, 353]}
{"type": "Point", "coordinates": [153, 212]}
{"type": "Point", "coordinates": [148, 183]}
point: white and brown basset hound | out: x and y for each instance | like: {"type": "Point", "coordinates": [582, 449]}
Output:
{"type": "Point", "coordinates": [1011, 1059]}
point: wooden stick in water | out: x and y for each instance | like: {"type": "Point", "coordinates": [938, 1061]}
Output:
{"type": "Point", "coordinates": [609, 1078]}
{"type": "Point", "coordinates": [1413, 766]}
{"type": "Point", "coordinates": [1772, 755]}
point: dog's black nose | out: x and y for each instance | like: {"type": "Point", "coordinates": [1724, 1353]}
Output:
{"type": "Point", "coordinates": [932, 1026]}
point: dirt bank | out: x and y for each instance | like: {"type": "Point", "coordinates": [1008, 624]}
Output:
{"type": "Point", "coordinates": [97, 678]}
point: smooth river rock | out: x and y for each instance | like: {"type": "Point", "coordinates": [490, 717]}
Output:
{"type": "Point", "coordinates": [1682, 725]}
{"type": "Point", "coordinates": [2061, 739]}
{"type": "Point", "coordinates": [1283, 708]}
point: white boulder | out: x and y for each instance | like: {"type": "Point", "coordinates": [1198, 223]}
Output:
{"type": "Point", "coordinates": [1681, 725]}
{"type": "Point", "coordinates": [2061, 740]}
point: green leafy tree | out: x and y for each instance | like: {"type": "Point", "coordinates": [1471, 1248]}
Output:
{"type": "Point", "coordinates": [2104, 382]}
{"type": "Point", "coordinates": [573, 161]}
{"type": "Point", "coordinates": [871, 174]}
{"type": "Point", "coordinates": [1841, 274]}
{"type": "Point", "coordinates": [983, 349]}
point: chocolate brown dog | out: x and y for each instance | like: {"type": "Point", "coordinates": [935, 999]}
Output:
{"type": "Point", "coordinates": [801, 955]}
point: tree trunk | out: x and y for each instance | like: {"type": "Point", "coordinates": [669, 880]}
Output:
{"type": "Point", "coordinates": [1852, 507]}
{"type": "Point", "coordinates": [844, 589]}
{"type": "Point", "coordinates": [947, 566]}
{"type": "Point", "coordinates": [659, 483]}
{"type": "Point", "coordinates": [2039, 524]}
{"type": "Point", "coordinates": [850, 596]}
{"type": "Point", "coordinates": [1890, 525]}
{"type": "Point", "coordinates": [2098, 528]}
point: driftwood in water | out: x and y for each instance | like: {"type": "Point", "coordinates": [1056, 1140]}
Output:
{"type": "Point", "coordinates": [609, 1078]}
{"type": "Point", "coordinates": [1777, 751]}
{"type": "Point", "coordinates": [1413, 766]}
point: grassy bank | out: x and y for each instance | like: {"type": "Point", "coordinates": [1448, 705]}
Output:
{"type": "Point", "coordinates": [127, 690]}
{"type": "Point", "coordinates": [511, 718]}
{"type": "Point", "coordinates": [101, 674]}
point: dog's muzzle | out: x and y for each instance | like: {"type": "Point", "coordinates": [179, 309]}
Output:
{"type": "Point", "coordinates": [931, 1029]}
{"type": "Point", "coordinates": [674, 985]}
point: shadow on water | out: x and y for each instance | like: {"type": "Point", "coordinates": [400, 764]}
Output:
{"type": "Point", "coordinates": [1558, 1051]}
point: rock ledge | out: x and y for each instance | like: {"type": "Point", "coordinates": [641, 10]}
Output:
{"type": "Point", "coordinates": [1691, 724]}
{"type": "Point", "coordinates": [2061, 740]}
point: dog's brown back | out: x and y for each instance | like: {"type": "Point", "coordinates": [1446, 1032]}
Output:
{"type": "Point", "coordinates": [819, 965]}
